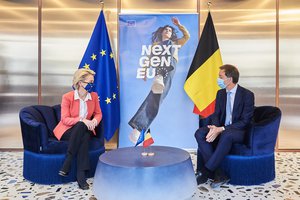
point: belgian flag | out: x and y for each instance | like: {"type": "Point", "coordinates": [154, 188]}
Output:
{"type": "Point", "coordinates": [201, 82]}
{"type": "Point", "coordinates": [148, 139]}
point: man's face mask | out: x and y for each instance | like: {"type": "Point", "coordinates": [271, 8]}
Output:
{"type": "Point", "coordinates": [221, 83]}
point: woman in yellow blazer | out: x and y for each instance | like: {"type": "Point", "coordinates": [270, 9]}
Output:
{"type": "Point", "coordinates": [80, 114]}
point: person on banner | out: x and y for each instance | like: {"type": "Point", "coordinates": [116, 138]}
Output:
{"type": "Point", "coordinates": [163, 37]}
{"type": "Point", "coordinates": [233, 113]}
{"type": "Point", "coordinates": [80, 114]}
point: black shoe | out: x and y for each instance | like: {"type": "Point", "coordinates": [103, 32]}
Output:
{"type": "Point", "coordinates": [81, 180]}
{"type": "Point", "coordinates": [203, 175]}
{"type": "Point", "coordinates": [201, 178]}
{"type": "Point", "coordinates": [83, 185]}
{"type": "Point", "coordinates": [198, 173]}
{"type": "Point", "coordinates": [62, 173]}
{"type": "Point", "coordinates": [220, 179]}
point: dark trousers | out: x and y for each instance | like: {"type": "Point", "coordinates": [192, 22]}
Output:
{"type": "Point", "coordinates": [150, 107]}
{"type": "Point", "coordinates": [78, 137]}
{"type": "Point", "coordinates": [213, 153]}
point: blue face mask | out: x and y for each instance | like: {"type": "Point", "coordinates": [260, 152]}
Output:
{"type": "Point", "coordinates": [221, 83]}
{"type": "Point", "coordinates": [89, 87]}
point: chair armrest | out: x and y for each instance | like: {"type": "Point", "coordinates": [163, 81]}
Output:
{"type": "Point", "coordinates": [263, 137]}
{"type": "Point", "coordinates": [34, 133]}
{"type": "Point", "coordinates": [204, 121]}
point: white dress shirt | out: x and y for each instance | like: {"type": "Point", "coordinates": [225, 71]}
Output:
{"type": "Point", "coordinates": [82, 106]}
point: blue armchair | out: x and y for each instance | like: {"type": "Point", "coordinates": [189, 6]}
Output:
{"type": "Point", "coordinates": [43, 153]}
{"type": "Point", "coordinates": [253, 162]}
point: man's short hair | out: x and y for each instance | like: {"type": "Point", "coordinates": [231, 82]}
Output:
{"type": "Point", "coordinates": [231, 72]}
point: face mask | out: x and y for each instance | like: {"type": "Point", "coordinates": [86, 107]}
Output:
{"type": "Point", "coordinates": [89, 87]}
{"type": "Point", "coordinates": [221, 83]}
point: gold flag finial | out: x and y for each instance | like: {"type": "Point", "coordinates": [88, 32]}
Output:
{"type": "Point", "coordinates": [208, 5]}
{"type": "Point", "coordinates": [102, 4]}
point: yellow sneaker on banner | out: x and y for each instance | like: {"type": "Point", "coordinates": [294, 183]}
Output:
{"type": "Point", "coordinates": [158, 85]}
{"type": "Point", "coordinates": [134, 136]}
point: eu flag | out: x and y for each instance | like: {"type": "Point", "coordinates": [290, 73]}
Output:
{"type": "Point", "coordinates": [100, 58]}
{"type": "Point", "coordinates": [141, 138]}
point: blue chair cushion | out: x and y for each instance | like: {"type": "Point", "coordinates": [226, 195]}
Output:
{"type": "Point", "coordinates": [42, 151]}
{"type": "Point", "coordinates": [43, 168]}
{"type": "Point", "coordinates": [252, 162]}
{"type": "Point", "coordinates": [60, 147]}
{"type": "Point", "coordinates": [38, 123]}
{"type": "Point", "coordinates": [249, 170]}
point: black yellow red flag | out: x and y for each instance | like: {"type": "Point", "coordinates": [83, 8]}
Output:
{"type": "Point", "coordinates": [201, 82]}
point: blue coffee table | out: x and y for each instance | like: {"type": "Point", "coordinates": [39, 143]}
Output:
{"type": "Point", "coordinates": [124, 174]}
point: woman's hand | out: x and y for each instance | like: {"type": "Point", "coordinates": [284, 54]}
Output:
{"type": "Point", "coordinates": [175, 21]}
{"type": "Point", "coordinates": [89, 123]}
{"type": "Point", "coordinates": [95, 122]}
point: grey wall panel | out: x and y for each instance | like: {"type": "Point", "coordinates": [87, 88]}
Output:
{"type": "Point", "coordinates": [246, 34]}
{"type": "Point", "coordinates": [67, 26]}
{"type": "Point", "coordinates": [289, 80]}
{"type": "Point", "coordinates": [158, 6]}
{"type": "Point", "coordinates": [18, 66]}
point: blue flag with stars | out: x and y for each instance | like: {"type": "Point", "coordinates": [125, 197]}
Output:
{"type": "Point", "coordinates": [141, 138]}
{"type": "Point", "coordinates": [100, 58]}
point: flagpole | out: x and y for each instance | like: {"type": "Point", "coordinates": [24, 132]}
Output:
{"type": "Point", "coordinates": [201, 118]}
{"type": "Point", "coordinates": [199, 17]}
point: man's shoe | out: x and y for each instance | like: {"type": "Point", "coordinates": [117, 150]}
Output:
{"type": "Point", "coordinates": [201, 178]}
{"type": "Point", "coordinates": [198, 173]}
{"type": "Point", "coordinates": [219, 180]}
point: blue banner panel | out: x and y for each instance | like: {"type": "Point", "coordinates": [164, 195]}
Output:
{"type": "Point", "coordinates": [156, 52]}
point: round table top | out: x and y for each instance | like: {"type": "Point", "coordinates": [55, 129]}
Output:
{"type": "Point", "coordinates": [132, 157]}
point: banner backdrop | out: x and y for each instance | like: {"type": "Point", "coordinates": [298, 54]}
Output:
{"type": "Point", "coordinates": [150, 52]}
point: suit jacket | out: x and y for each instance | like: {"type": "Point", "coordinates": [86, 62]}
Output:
{"type": "Point", "coordinates": [242, 112]}
{"type": "Point", "coordinates": [70, 112]}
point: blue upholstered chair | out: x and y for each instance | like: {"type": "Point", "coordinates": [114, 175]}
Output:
{"type": "Point", "coordinates": [253, 162]}
{"type": "Point", "coordinates": [43, 153]}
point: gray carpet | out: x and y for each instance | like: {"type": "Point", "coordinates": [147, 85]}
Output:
{"type": "Point", "coordinates": [286, 185]}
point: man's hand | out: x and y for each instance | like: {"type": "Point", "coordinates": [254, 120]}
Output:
{"type": "Point", "coordinates": [213, 133]}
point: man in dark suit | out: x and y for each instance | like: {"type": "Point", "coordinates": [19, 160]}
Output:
{"type": "Point", "coordinates": [233, 114]}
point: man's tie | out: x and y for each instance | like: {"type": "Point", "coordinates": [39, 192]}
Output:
{"type": "Point", "coordinates": [228, 109]}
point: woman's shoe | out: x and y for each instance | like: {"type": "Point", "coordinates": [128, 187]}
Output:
{"type": "Point", "coordinates": [83, 185]}
{"type": "Point", "coordinates": [62, 173]}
